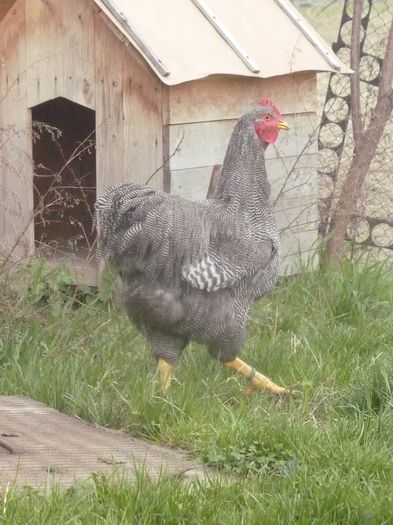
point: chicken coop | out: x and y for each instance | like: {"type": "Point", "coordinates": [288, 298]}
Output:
{"type": "Point", "coordinates": [97, 92]}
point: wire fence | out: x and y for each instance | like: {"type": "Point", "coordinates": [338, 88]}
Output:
{"type": "Point", "coordinates": [372, 224]}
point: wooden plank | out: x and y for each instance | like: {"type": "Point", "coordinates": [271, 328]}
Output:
{"type": "Point", "coordinates": [297, 214]}
{"type": "Point", "coordinates": [288, 176]}
{"type": "Point", "coordinates": [293, 176]}
{"type": "Point", "coordinates": [81, 271]}
{"type": "Point", "coordinates": [228, 97]}
{"type": "Point", "coordinates": [298, 225]}
{"type": "Point", "coordinates": [205, 143]}
{"type": "Point", "coordinates": [109, 53]}
{"type": "Point", "coordinates": [42, 447]}
{"type": "Point", "coordinates": [143, 121]}
{"type": "Point", "coordinates": [16, 159]}
{"type": "Point", "coordinates": [191, 183]}
{"type": "Point", "coordinates": [60, 51]}
{"type": "Point", "coordinates": [166, 154]}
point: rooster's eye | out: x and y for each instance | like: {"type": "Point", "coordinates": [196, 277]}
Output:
{"type": "Point", "coordinates": [267, 118]}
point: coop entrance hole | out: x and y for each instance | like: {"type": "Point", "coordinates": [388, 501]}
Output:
{"type": "Point", "coordinates": [64, 180]}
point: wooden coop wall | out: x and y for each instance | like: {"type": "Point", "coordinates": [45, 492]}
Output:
{"type": "Point", "coordinates": [87, 62]}
{"type": "Point", "coordinates": [130, 109]}
{"type": "Point", "coordinates": [205, 112]}
{"type": "Point", "coordinates": [16, 201]}
{"type": "Point", "coordinates": [139, 120]}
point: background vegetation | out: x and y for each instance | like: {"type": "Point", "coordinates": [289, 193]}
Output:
{"type": "Point", "coordinates": [324, 456]}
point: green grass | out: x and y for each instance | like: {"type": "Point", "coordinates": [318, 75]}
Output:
{"type": "Point", "coordinates": [325, 17]}
{"type": "Point", "coordinates": [322, 457]}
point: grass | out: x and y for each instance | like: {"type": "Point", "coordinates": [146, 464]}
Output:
{"type": "Point", "coordinates": [323, 457]}
{"type": "Point", "coordinates": [324, 17]}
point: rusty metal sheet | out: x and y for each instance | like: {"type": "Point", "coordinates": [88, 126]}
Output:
{"type": "Point", "coordinates": [40, 446]}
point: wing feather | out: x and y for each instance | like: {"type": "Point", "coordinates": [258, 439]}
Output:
{"type": "Point", "coordinates": [222, 268]}
{"type": "Point", "coordinates": [174, 241]}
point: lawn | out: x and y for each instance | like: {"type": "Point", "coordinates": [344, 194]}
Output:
{"type": "Point", "coordinates": [321, 457]}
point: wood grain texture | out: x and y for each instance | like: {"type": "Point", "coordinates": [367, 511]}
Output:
{"type": "Point", "coordinates": [60, 54]}
{"type": "Point", "coordinates": [191, 183]}
{"type": "Point", "coordinates": [41, 447]}
{"type": "Point", "coordinates": [227, 97]}
{"type": "Point", "coordinates": [292, 176]}
{"type": "Point", "coordinates": [109, 53]}
{"type": "Point", "coordinates": [289, 177]}
{"type": "Point", "coordinates": [16, 194]}
{"type": "Point", "coordinates": [205, 143]}
{"type": "Point", "coordinates": [297, 214]}
{"type": "Point", "coordinates": [143, 121]}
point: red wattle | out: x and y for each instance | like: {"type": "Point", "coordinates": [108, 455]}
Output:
{"type": "Point", "coordinates": [267, 135]}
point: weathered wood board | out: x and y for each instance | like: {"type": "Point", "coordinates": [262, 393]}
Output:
{"type": "Point", "coordinates": [288, 176]}
{"type": "Point", "coordinates": [205, 143]}
{"type": "Point", "coordinates": [66, 67]}
{"type": "Point", "coordinates": [143, 122]}
{"type": "Point", "coordinates": [227, 97]}
{"type": "Point", "coordinates": [16, 194]}
{"type": "Point", "coordinates": [40, 446]}
{"type": "Point", "coordinates": [109, 53]}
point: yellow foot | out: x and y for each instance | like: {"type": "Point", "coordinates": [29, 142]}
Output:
{"type": "Point", "coordinates": [261, 382]}
{"type": "Point", "coordinates": [258, 381]}
{"type": "Point", "coordinates": [165, 370]}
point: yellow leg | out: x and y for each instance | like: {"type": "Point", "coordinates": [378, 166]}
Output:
{"type": "Point", "coordinates": [165, 370]}
{"type": "Point", "coordinates": [258, 381]}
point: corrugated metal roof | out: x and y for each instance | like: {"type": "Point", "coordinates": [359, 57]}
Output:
{"type": "Point", "coordinates": [184, 40]}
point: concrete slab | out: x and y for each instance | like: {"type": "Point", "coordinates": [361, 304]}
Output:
{"type": "Point", "coordinates": [40, 446]}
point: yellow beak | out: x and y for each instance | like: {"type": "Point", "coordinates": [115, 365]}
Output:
{"type": "Point", "coordinates": [282, 125]}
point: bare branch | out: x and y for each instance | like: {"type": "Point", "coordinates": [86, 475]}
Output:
{"type": "Point", "coordinates": [166, 160]}
{"type": "Point", "coordinates": [355, 77]}
{"type": "Point", "coordinates": [299, 156]}
{"type": "Point", "coordinates": [386, 75]}
{"type": "Point", "coordinates": [366, 144]}
{"type": "Point", "coordinates": [36, 212]}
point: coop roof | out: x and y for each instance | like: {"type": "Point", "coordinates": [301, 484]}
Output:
{"type": "Point", "coordinates": [184, 40]}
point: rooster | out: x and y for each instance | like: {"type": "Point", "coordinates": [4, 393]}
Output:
{"type": "Point", "coordinates": [191, 270]}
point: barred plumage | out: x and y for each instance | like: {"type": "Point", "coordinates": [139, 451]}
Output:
{"type": "Point", "coordinates": [191, 270]}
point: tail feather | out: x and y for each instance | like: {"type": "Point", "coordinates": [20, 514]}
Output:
{"type": "Point", "coordinates": [119, 217]}
{"type": "Point", "coordinates": [151, 232]}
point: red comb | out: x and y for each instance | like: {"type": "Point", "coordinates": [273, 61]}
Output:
{"type": "Point", "coordinates": [267, 103]}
